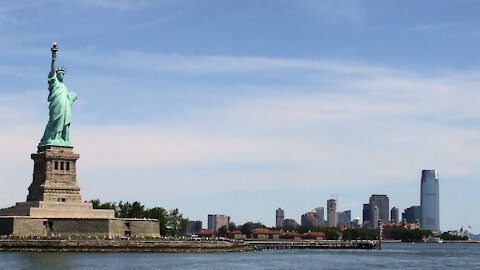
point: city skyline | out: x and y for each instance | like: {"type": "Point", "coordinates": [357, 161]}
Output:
{"type": "Point", "coordinates": [241, 108]}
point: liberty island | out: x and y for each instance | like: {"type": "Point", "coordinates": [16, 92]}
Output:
{"type": "Point", "coordinates": [54, 205]}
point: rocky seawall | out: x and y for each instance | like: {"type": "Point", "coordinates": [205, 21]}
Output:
{"type": "Point", "coordinates": [122, 246]}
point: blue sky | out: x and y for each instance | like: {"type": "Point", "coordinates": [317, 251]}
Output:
{"type": "Point", "coordinates": [241, 107]}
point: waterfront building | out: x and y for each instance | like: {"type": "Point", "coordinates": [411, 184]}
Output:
{"type": "Point", "coordinates": [194, 227]}
{"type": "Point", "coordinates": [331, 213]}
{"type": "Point", "coordinates": [310, 219]}
{"type": "Point", "coordinates": [395, 215]}
{"type": "Point", "coordinates": [216, 221]}
{"type": "Point", "coordinates": [430, 200]}
{"type": "Point", "coordinates": [320, 215]}
{"type": "Point", "coordinates": [412, 214]}
{"type": "Point", "coordinates": [279, 217]}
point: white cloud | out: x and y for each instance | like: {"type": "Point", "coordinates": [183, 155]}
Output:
{"type": "Point", "coordinates": [374, 127]}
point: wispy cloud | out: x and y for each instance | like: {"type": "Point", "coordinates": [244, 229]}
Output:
{"type": "Point", "coordinates": [436, 26]}
{"type": "Point", "coordinates": [213, 64]}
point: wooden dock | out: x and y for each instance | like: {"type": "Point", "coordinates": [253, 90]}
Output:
{"type": "Point", "coordinates": [314, 244]}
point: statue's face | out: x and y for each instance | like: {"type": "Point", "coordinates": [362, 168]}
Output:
{"type": "Point", "coordinates": [60, 76]}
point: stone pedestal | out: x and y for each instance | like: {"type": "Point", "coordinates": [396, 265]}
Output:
{"type": "Point", "coordinates": [54, 192]}
{"type": "Point", "coordinates": [54, 175]}
{"type": "Point", "coordinates": [54, 204]}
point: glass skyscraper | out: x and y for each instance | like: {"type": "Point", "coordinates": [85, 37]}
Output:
{"type": "Point", "coordinates": [430, 200]}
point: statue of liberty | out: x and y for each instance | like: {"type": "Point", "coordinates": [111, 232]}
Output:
{"type": "Point", "coordinates": [57, 129]}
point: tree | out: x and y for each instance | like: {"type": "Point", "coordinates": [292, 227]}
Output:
{"type": "Point", "coordinates": [449, 236]}
{"type": "Point", "coordinates": [176, 224]}
{"type": "Point", "coordinates": [232, 227]}
{"type": "Point", "coordinates": [161, 214]}
{"type": "Point", "coordinates": [249, 226]}
{"type": "Point", "coordinates": [171, 223]}
{"type": "Point", "coordinates": [223, 231]}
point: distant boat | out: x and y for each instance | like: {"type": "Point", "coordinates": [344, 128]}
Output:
{"type": "Point", "coordinates": [431, 239]}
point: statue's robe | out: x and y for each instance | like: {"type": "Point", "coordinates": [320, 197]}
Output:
{"type": "Point", "coordinates": [60, 115]}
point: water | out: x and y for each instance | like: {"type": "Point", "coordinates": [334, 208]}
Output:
{"type": "Point", "coordinates": [392, 256]}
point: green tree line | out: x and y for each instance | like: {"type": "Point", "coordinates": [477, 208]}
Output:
{"type": "Point", "coordinates": [171, 223]}
{"type": "Point", "coordinates": [407, 235]}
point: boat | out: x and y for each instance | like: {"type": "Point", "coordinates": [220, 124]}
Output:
{"type": "Point", "coordinates": [431, 239]}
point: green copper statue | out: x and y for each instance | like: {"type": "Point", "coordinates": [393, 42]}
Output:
{"type": "Point", "coordinates": [57, 129]}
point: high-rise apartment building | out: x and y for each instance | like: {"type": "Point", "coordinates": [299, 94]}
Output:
{"type": "Point", "coordinates": [279, 217]}
{"type": "Point", "coordinates": [344, 218]}
{"type": "Point", "coordinates": [430, 200]}
{"type": "Point", "coordinates": [367, 216]}
{"type": "Point", "coordinates": [288, 222]}
{"type": "Point", "coordinates": [215, 222]}
{"type": "Point", "coordinates": [412, 214]}
{"type": "Point", "coordinates": [321, 215]}
{"type": "Point", "coordinates": [395, 215]}
{"type": "Point", "coordinates": [332, 213]}
{"type": "Point", "coordinates": [381, 206]}
{"type": "Point", "coordinates": [309, 219]}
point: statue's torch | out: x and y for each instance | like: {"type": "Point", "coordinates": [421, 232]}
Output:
{"type": "Point", "coordinates": [54, 50]}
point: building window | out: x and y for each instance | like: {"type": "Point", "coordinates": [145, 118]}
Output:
{"type": "Point", "coordinates": [56, 165]}
{"type": "Point", "coordinates": [61, 165]}
{"type": "Point", "coordinates": [67, 166]}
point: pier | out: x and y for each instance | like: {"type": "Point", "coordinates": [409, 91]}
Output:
{"type": "Point", "coordinates": [314, 244]}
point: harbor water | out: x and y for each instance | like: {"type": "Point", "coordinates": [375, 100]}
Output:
{"type": "Point", "coordinates": [392, 256]}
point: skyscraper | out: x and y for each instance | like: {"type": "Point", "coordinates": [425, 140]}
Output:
{"type": "Point", "coordinates": [412, 214]}
{"type": "Point", "coordinates": [344, 218]}
{"type": "Point", "coordinates": [332, 212]}
{"type": "Point", "coordinates": [430, 200]}
{"type": "Point", "coordinates": [321, 215]}
{"type": "Point", "coordinates": [309, 219]}
{"type": "Point", "coordinates": [367, 216]}
{"type": "Point", "coordinates": [395, 215]}
{"type": "Point", "coordinates": [377, 209]}
{"type": "Point", "coordinates": [383, 207]}
{"type": "Point", "coordinates": [279, 217]}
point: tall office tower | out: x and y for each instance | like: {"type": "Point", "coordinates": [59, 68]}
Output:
{"type": "Point", "coordinates": [215, 222]}
{"type": "Point", "coordinates": [367, 212]}
{"type": "Point", "coordinates": [331, 213]}
{"type": "Point", "coordinates": [412, 214]}
{"type": "Point", "coordinates": [379, 206]}
{"type": "Point", "coordinates": [321, 215]}
{"type": "Point", "coordinates": [395, 215]}
{"type": "Point", "coordinates": [430, 201]}
{"type": "Point", "coordinates": [279, 217]}
{"type": "Point", "coordinates": [344, 218]}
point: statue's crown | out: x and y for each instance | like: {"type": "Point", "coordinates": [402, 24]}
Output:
{"type": "Point", "coordinates": [61, 69]}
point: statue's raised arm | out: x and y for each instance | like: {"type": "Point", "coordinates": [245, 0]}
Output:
{"type": "Point", "coordinates": [54, 50]}
{"type": "Point", "coordinates": [58, 126]}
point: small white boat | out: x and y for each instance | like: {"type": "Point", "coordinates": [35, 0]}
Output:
{"type": "Point", "coordinates": [431, 239]}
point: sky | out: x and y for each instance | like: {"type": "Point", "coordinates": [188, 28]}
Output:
{"type": "Point", "coordinates": [241, 107]}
